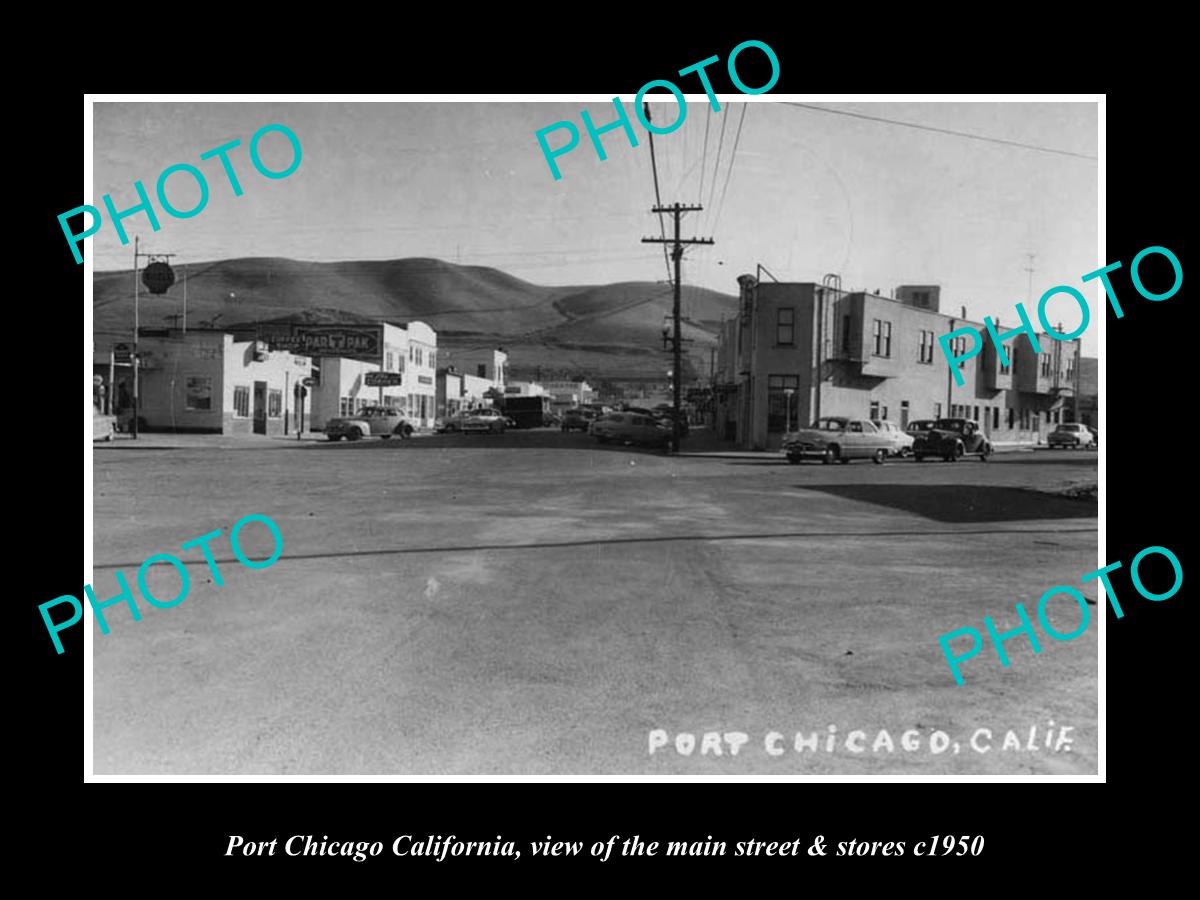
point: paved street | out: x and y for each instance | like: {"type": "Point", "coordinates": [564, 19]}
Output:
{"type": "Point", "coordinates": [532, 603]}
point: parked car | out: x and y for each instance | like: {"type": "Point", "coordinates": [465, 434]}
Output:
{"type": "Point", "coordinates": [1095, 436]}
{"type": "Point", "coordinates": [951, 439]}
{"type": "Point", "coordinates": [902, 441]}
{"type": "Point", "coordinates": [485, 419]}
{"type": "Point", "coordinates": [665, 415]}
{"type": "Point", "coordinates": [1073, 435]}
{"type": "Point", "coordinates": [578, 419]}
{"type": "Point", "coordinates": [104, 426]}
{"type": "Point", "coordinates": [631, 428]}
{"type": "Point", "coordinates": [837, 438]}
{"type": "Point", "coordinates": [383, 421]}
{"type": "Point", "coordinates": [919, 426]}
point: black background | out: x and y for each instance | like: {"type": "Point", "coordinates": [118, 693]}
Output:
{"type": "Point", "coordinates": [181, 830]}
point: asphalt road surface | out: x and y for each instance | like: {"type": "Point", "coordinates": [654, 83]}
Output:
{"type": "Point", "coordinates": [532, 603]}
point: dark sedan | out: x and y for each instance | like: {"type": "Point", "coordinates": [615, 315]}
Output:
{"type": "Point", "coordinates": [951, 439]}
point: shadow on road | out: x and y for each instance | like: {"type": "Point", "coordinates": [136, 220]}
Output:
{"type": "Point", "coordinates": [963, 503]}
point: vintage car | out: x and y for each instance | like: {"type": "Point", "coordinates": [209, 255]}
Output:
{"type": "Point", "coordinates": [485, 419]}
{"type": "Point", "coordinates": [578, 419]}
{"type": "Point", "coordinates": [836, 438]}
{"type": "Point", "coordinates": [103, 425]}
{"type": "Point", "coordinates": [631, 428]}
{"type": "Point", "coordinates": [1071, 434]}
{"type": "Point", "coordinates": [952, 439]}
{"type": "Point", "coordinates": [902, 441]}
{"type": "Point", "coordinates": [383, 421]}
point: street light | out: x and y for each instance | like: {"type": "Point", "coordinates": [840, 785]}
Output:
{"type": "Point", "coordinates": [788, 409]}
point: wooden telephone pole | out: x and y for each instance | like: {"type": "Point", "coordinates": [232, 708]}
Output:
{"type": "Point", "coordinates": [677, 210]}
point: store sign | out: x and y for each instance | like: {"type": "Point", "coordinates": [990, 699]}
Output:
{"type": "Point", "coordinates": [121, 353]}
{"type": "Point", "coordinates": [383, 379]}
{"type": "Point", "coordinates": [362, 342]}
{"type": "Point", "coordinates": [424, 379]}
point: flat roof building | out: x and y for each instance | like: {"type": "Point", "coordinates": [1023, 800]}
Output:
{"type": "Point", "coordinates": [798, 351]}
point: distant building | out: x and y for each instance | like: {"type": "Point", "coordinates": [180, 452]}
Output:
{"type": "Point", "coordinates": [459, 391]}
{"type": "Point", "coordinates": [208, 381]}
{"type": "Point", "coordinates": [1089, 391]}
{"type": "Point", "coordinates": [568, 394]}
{"type": "Point", "coordinates": [524, 389]}
{"type": "Point", "coordinates": [798, 351]}
{"type": "Point", "coordinates": [481, 363]}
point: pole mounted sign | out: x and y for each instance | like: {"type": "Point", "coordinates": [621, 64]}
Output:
{"type": "Point", "coordinates": [362, 342]}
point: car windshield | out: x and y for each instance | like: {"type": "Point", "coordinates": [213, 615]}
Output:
{"type": "Point", "coordinates": [949, 424]}
{"type": "Point", "coordinates": [830, 424]}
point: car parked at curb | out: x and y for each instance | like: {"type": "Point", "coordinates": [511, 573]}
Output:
{"type": "Point", "coordinates": [485, 419]}
{"type": "Point", "coordinates": [952, 439]}
{"type": "Point", "coordinates": [1073, 435]}
{"type": "Point", "coordinates": [901, 440]}
{"type": "Point", "coordinates": [837, 439]}
{"type": "Point", "coordinates": [630, 428]}
{"type": "Point", "coordinates": [381, 421]}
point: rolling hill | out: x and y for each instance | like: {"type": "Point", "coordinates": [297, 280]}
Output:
{"type": "Point", "coordinates": [601, 331]}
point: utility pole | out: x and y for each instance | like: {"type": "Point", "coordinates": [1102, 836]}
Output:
{"type": "Point", "coordinates": [677, 210]}
{"type": "Point", "coordinates": [1029, 269]}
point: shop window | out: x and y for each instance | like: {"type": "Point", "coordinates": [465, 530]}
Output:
{"type": "Point", "coordinates": [241, 401]}
{"type": "Point", "coordinates": [874, 414]}
{"type": "Point", "coordinates": [779, 415]}
{"type": "Point", "coordinates": [274, 404]}
{"type": "Point", "coordinates": [1010, 418]}
{"type": "Point", "coordinates": [995, 417]}
{"type": "Point", "coordinates": [199, 393]}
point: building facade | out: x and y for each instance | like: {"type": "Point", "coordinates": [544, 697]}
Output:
{"type": "Point", "coordinates": [409, 353]}
{"type": "Point", "coordinates": [488, 364]}
{"type": "Point", "coordinates": [568, 394]}
{"type": "Point", "coordinates": [798, 351]}
{"type": "Point", "coordinates": [459, 391]}
{"type": "Point", "coordinates": [208, 381]}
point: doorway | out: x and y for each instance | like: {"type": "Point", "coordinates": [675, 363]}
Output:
{"type": "Point", "coordinates": [260, 407]}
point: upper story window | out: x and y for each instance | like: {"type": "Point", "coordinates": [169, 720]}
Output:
{"type": "Point", "coordinates": [1047, 364]}
{"type": "Point", "coordinates": [882, 333]}
{"type": "Point", "coordinates": [926, 350]}
{"type": "Point", "coordinates": [847, 332]}
{"type": "Point", "coordinates": [785, 326]}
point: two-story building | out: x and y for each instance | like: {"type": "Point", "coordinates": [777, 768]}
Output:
{"type": "Point", "coordinates": [797, 351]}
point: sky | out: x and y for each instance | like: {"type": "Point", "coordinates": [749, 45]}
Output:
{"type": "Point", "coordinates": [804, 192]}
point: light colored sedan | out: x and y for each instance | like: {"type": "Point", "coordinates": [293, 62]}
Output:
{"type": "Point", "coordinates": [836, 438]}
{"type": "Point", "coordinates": [383, 421]}
{"type": "Point", "coordinates": [631, 428]}
{"type": "Point", "coordinates": [1072, 434]}
{"type": "Point", "coordinates": [901, 440]}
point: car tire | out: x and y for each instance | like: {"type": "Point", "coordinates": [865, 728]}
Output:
{"type": "Point", "coordinates": [333, 437]}
{"type": "Point", "coordinates": [879, 457]}
{"type": "Point", "coordinates": [828, 456]}
{"type": "Point", "coordinates": [408, 430]}
{"type": "Point", "coordinates": [354, 434]}
{"type": "Point", "coordinates": [919, 457]}
{"type": "Point", "coordinates": [985, 453]}
{"type": "Point", "coordinates": [793, 459]}
{"type": "Point", "coordinates": [385, 437]}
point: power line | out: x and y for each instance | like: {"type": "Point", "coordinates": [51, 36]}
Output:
{"type": "Point", "coordinates": [717, 166]}
{"type": "Point", "coordinates": [704, 156]}
{"type": "Point", "coordinates": [974, 137]}
{"type": "Point", "coordinates": [732, 157]}
{"type": "Point", "coordinates": [658, 197]}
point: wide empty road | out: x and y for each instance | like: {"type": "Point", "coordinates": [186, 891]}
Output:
{"type": "Point", "coordinates": [531, 603]}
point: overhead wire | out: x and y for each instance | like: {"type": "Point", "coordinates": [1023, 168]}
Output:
{"type": "Point", "coordinates": [933, 128]}
{"type": "Point", "coordinates": [732, 156]}
{"type": "Point", "coordinates": [662, 227]}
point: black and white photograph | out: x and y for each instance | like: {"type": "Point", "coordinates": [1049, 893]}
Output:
{"type": "Point", "coordinates": [689, 437]}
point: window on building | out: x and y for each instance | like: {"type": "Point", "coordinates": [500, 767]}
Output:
{"type": "Point", "coordinates": [1005, 367]}
{"type": "Point", "coordinates": [926, 354]}
{"type": "Point", "coordinates": [274, 404]}
{"type": "Point", "coordinates": [976, 416]}
{"type": "Point", "coordinates": [779, 414]}
{"type": "Point", "coordinates": [1010, 418]}
{"type": "Point", "coordinates": [344, 406]}
{"type": "Point", "coordinates": [241, 401]}
{"type": "Point", "coordinates": [389, 362]}
{"type": "Point", "coordinates": [785, 326]}
{"type": "Point", "coordinates": [881, 333]}
{"type": "Point", "coordinates": [847, 333]}
{"type": "Point", "coordinates": [874, 410]}
{"type": "Point", "coordinates": [1047, 364]}
{"type": "Point", "coordinates": [481, 370]}
{"type": "Point", "coordinates": [904, 414]}
{"type": "Point", "coordinates": [995, 417]}
{"type": "Point", "coordinates": [199, 393]}
{"type": "Point", "coordinates": [1070, 368]}
{"type": "Point", "coordinates": [433, 359]}
{"type": "Point", "coordinates": [937, 410]}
